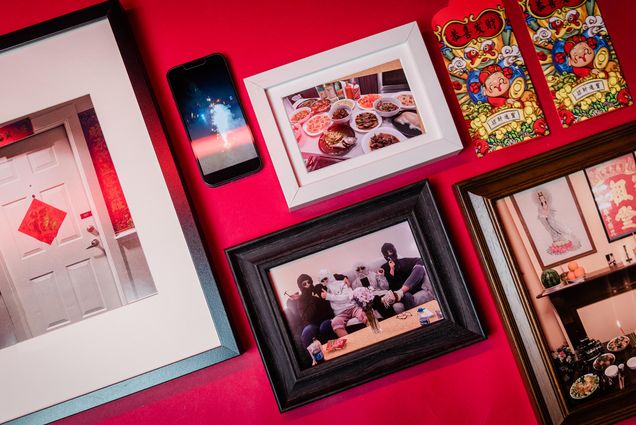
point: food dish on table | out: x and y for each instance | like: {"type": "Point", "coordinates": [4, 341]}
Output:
{"type": "Point", "coordinates": [317, 124]}
{"type": "Point", "coordinates": [386, 106]}
{"type": "Point", "coordinates": [631, 363]}
{"type": "Point", "coordinates": [584, 386]}
{"type": "Point", "coordinates": [408, 123]}
{"type": "Point", "coordinates": [618, 344]}
{"type": "Point", "coordinates": [365, 121]}
{"type": "Point", "coordinates": [381, 138]}
{"type": "Point", "coordinates": [300, 115]}
{"type": "Point", "coordinates": [304, 103]}
{"type": "Point", "coordinates": [338, 139]}
{"type": "Point", "coordinates": [603, 361]}
{"type": "Point", "coordinates": [349, 103]}
{"type": "Point", "coordinates": [320, 106]}
{"type": "Point", "coordinates": [340, 114]}
{"type": "Point", "coordinates": [366, 101]}
{"type": "Point", "coordinates": [406, 99]}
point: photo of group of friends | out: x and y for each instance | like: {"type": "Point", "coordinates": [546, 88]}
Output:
{"type": "Point", "coordinates": [331, 294]}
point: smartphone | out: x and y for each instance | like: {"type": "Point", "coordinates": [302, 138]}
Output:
{"type": "Point", "coordinates": [212, 115]}
{"type": "Point", "coordinates": [365, 282]}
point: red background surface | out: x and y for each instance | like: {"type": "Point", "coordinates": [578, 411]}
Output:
{"type": "Point", "coordinates": [477, 385]}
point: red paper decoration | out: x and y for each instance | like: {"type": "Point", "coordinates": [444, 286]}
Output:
{"type": "Point", "coordinates": [42, 221]}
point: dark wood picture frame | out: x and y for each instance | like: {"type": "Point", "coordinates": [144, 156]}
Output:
{"type": "Point", "coordinates": [477, 197]}
{"type": "Point", "coordinates": [531, 239]}
{"type": "Point", "coordinates": [600, 215]}
{"type": "Point", "coordinates": [294, 386]}
{"type": "Point", "coordinates": [111, 12]}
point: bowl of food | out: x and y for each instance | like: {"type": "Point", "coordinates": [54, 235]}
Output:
{"type": "Point", "coordinates": [408, 123]}
{"type": "Point", "coordinates": [320, 106]}
{"type": "Point", "coordinates": [381, 138]}
{"type": "Point", "coordinates": [340, 114]}
{"type": "Point", "coordinates": [304, 103]}
{"type": "Point", "coordinates": [315, 125]}
{"type": "Point", "coordinates": [366, 101]}
{"type": "Point", "coordinates": [300, 115]}
{"type": "Point", "coordinates": [618, 344]}
{"type": "Point", "coordinates": [365, 121]}
{"type": "Point", "coordinates": [584, 386]}
{"type": "Point", "coordinates": [603, 361]}
{"type": "Point", "coordinates": [631, 363]}
{"type": "Point", "coordinates": [350, 103]}
{"type": "Point", "coordinates": [386, 107]}
{"type": "Point", "coordinates": [338, 140]}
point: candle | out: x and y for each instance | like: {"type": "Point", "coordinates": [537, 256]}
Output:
{"type": "Point", "coordinates": [618, 323]}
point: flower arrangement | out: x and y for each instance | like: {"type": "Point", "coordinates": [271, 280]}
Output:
{"type": "Point", "coordinates": [363, 297]}
{"type": "Point", "coordinates": [565, 361]}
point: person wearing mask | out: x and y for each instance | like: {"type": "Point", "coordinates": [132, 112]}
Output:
{"type": "Point", "coordinates": [314, 313]}
{"type": "Point", "coordinates": [409, 285]}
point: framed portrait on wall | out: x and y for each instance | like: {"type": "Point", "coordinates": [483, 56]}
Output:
{"type": "Point", "coordinates": [352, 115]}
{"type": "Point", "coordinates": [551, 217]}
{"type": "Point", "coordinates": [572, 338]}
{"type": "Point", "coordinates": [105, 287]}
{"type": "Point", "coordinates": [354, 295]}
{"type": "Point", "coordinates": [613, 184]}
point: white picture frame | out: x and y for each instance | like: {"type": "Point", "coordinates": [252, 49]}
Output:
{"type": "Point", "coordinates": [181, 328]}
{"type": "Point", "coordinates": [300, 187]}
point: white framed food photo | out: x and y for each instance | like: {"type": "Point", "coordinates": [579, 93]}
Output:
{"type": "Point", "coordinates": [105, 288]}
{"type": "Point", "coordinates": [352, 115]}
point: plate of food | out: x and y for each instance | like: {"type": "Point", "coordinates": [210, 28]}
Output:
{"type": "Point", "coordinates": [618, 344]}
{"type": "Point", "coordinates": [320, 106]}
{"type": "Point", "coordinates": [386, 107]}
{"type": "Point", "coordinates": [584, 386]}
{"type": "Point", "coordinates": [603, 361]}
{"type": "Point", "coordinates": [338, 140]}
{"type": "Point", "coordinates": [340, 114]}
{"type": "Point", "coordinates": [364, 121]}
{"type": "Point", "coordinates": [317, 124]}
{"type": "Point", "coordinates": [408, 123]}
{"type": "Point", "coordinates": [349, 103]}
{"type": "Point", "coordinates": [304, 103]}
{"type": "Point", "coordinates": [406, 99]}
{"type": "Point", "coordinates": [381, 138]}
{"type": "Point", "coordinates": [300, 115]}
{"type": "Point", "coordinates": [366, 101]}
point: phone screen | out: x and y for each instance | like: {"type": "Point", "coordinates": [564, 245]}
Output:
{"type": "Point", "coordinates": [222, 141]}
{"type": "Point", "coordinates": [365, 282]}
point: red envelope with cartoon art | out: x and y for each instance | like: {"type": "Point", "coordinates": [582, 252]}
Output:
{"type": "Point", "coordinates": [489, 76]}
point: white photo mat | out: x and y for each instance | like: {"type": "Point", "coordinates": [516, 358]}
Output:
{"type": "Point", "coordinates": [170, 326]}
{"type": "Point", "coordinates": [404, 43]}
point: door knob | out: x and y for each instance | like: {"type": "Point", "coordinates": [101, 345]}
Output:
{"type": "Point", "coordinates": [94, 244]}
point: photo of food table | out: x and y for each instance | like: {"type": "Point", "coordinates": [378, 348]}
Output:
{"type": "Point", "coordinates": [593, 368]}
{"type": "Point", "coordinates": [353, 116]}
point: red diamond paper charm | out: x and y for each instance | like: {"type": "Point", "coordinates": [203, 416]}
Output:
{"type": "Point", "coordinates": [42, 221]}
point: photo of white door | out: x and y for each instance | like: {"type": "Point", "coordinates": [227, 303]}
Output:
{"type": "Point", "coordinates": [47, 286]}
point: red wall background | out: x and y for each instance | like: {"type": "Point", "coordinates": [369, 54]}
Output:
{"type": "Point", "coordinates": [480, 384]}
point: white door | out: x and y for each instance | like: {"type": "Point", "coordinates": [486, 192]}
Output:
{"type": "Point", "coordinates": [66, 281]}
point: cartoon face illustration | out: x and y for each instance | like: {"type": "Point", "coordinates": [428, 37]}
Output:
{"type": "Point", "coordinates": [495, 80]}
{"type": "Point", "coordinates": [496, 84]}
{"type": "Point", "coordinates": [581, 54]}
